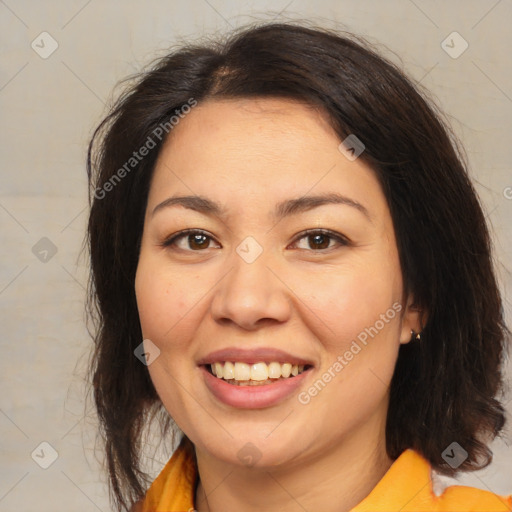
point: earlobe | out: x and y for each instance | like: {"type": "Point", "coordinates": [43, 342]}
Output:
{"type": "Point", "coordinates": [413, 322]}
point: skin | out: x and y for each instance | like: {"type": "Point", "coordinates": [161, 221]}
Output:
{"type": "Point", "coordinates": [313, 302]}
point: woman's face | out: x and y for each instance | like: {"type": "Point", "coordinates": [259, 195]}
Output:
{"type": "Point", "coordinates": [253, 286]}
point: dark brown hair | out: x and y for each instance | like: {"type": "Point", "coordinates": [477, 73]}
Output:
{"type": "Point", "coordinates": [445, 388]}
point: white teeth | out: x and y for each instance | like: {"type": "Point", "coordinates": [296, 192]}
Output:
{"type": "Point", "coordinates": [257, 372]}
{"type": "Point", "coordinates": [242, 371]}
{"type": "Point", "coordinates": [274, 370]}
{"type": "Point", "coordinates": [286, 370]}
{"type": "Point", "coordinates": [229, 371]}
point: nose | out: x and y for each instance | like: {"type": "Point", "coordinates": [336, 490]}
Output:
{"type": "Point", "coordinates": [251, 295]}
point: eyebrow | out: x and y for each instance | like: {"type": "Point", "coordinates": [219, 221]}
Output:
{"type": "Point", "coordinates": [283, 209]}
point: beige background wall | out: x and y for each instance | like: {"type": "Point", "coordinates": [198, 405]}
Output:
{"type": "Point", "coordinates": [49, 107]}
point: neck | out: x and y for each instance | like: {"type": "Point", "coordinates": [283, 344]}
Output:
{"type": "Point", "coordinates": [334, 480]}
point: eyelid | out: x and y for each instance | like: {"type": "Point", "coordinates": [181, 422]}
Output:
{"type": "Point", "coordinates": [341, 239]}
{"type": "Point", "coordinates": [172, 238]}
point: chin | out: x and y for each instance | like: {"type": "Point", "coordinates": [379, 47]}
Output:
{"type": "Point", "coordinates": [254, 445]}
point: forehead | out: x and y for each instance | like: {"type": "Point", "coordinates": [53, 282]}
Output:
{"type": "Point", "coordinates": [258, 150]}
{"type": "Point", "coordinates": [256, 122]}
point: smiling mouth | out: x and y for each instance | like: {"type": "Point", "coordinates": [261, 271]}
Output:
{"type": "Point", "coordinates": [257, 374]}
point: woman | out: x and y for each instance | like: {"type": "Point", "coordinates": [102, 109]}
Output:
{"type": "Point", "coordinates": [289, 260]}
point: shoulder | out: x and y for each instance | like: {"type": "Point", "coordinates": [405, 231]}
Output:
{"type": "Point", "coordinates": [465, 498]}
{"type": "Point", "coordinates": [174, 488]}
{"type": "Point", "coordinates": [410, 485]}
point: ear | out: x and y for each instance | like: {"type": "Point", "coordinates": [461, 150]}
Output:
{"type": "Point", "coordinates": [413, 319]}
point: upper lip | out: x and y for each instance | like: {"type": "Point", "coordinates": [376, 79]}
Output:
{"type": "Point", "coordinates": [252, 356]}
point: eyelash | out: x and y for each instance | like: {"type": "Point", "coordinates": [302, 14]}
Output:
{"type": "Point", "coordinates": [343, 241]}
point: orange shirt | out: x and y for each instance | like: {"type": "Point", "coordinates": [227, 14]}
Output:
{"type": "Point", "coordinates": [406, 487]}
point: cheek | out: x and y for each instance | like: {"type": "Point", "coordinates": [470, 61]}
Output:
{"type": "Point", "coordinates": [163, 300]}
{"type": "Point", "coordinates": [348, 302]}
{"type": "Point", "coordinates": [359, 332]}
{"type": "Point", "coordinates": [365, 319]}
{"type": "Point", "coordinates": [166, 311]}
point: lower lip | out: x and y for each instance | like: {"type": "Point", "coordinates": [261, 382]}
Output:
{"type": "Point", "coordinates": [252, 397]}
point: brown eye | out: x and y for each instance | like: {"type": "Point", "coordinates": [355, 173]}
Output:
{"type": "Point", "coordinates": [189, 240]}
{"type": "Point", "coordinates": [194, 240]}
{"type": "Point", "coordinates": [319, 240]}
